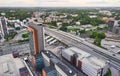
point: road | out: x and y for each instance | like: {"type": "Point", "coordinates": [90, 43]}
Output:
{"type": "Point", "coordinates": [7, 49]}
{"type": "Point", "coordinates": [72, 40]}
{"type": "Point", "coordinates": [19, 35]}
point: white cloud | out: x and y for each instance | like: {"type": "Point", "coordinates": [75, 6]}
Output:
{"type": "Point", "coordinates": [59, 3]}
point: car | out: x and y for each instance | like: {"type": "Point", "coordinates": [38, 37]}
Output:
{"type": "Point", "coordinates": [25, 58]}
{"type": "Point", "coordinates": [113, 54]}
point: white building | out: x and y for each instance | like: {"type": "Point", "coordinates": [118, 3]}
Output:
{"type": "Point", "coordinates": [59, 24]}
{"type": "Point", "coordinates": [17, 25]}
{"type": "Point", "coordinates": [93, 16]}
{"type": "Point", "coordinates": [78, 23]}
{"type": "Point", "coordinates": [90, 65]}
{"type": "Point", "coordinates": [3, 26]}
{"type": "Point", "coordinates": [105, 12]}
{"type": "Point", "coordinates": [74, 15]}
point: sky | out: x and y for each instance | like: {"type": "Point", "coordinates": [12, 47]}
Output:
{"type": "Point", "coordinates": [59, 3]}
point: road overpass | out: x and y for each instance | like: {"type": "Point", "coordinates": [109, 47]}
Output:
{"type": "Point", "coordinates": [72, 40]}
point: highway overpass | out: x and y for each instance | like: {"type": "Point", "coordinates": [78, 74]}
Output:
{"type": "Point", "coordinates": [72, 40]}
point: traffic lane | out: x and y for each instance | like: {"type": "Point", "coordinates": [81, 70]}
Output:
{"type": "Point", "coordinates": [59, 36]}
{"type": "Point", "coordinates": [71, 42]}
{"type": "Point", "coordinates": [85, 43]}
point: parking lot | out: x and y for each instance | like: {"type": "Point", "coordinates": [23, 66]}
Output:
{"type": "Point", "coordinates": [111, 46]}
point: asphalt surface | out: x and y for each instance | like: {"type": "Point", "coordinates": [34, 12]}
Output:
{"type": "Point", "coordinates": [80, 43]}
{"type": "Point", "coordinates": [9, 48]}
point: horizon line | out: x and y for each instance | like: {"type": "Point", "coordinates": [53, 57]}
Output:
{"type": "Point", "coordinates": [57, 6]}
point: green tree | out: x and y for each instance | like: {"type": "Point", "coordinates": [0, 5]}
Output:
{"type": "Point", "coordinates": [77, 30]}
{"type": "Point", "coordinates": [108, 73]}
{"type": "Point", "coordinates": [101, 35]}
{"type": "Point", "coordinates": [25, 35]}
{"type": "Point", "coordinates": [17, 28]}
{"type": "Point", "coordinates": [10, 36]}
{"type": "Point", "coordinates": [10, 24]}
{"type": "Point", "coordinates": [69, 17]}
{"type": "Point", "coordinates": [119, 22]}
{"type": "Point", "coordinates": [97, 41]}
{"type": "Point", "coordinates": [82, 31]}
{"type": "Point", "coordinates": [94, 35]}
{"type": "Point", "coordinates": [54, 23]}
{"type": "Point", "coordinates": [64, 27]}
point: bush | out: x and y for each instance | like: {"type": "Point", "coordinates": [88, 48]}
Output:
{"type": "Point", "coordinates": [11, 36]}
{"type": "Point", "coordinates": [98, 35]}
{"type": "Point", "coordinates": [17, 28]}
{"type": "Point", "coordinates": [20, 41]}
{"type": "Point", "coordinates": [64, 27]}
{"type": "Point", "coordinates": [25, 35]}
{"type": "Point", "coordinates": [108, 73]}
{"type": "Point", "coordinates": [101, 35]}
{"type": "Point", "coordinates": [97, 41]}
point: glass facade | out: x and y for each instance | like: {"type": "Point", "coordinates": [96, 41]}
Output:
{"type": "Point", "coordinates": [31, 43]}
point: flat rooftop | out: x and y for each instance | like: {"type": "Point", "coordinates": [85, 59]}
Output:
{"type": "Point", "coordinates": [87, 58]}
{"type": "Point", "coordinates": [78, 51]}
{"type": "Point", "coordinates": [12, 67]}
{"type": "Point", "coordinates": [94, 62]}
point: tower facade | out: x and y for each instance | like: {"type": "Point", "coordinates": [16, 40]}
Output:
{"type": "Point", "coordinates": [3, 26]}
{"type": "Point", "coordinates": [114, 26]}
{"type": "Point", "coordinates": [36, 37]}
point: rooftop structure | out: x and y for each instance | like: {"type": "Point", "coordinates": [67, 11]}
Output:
{"type": "Point", "coordinates": [61, 67]}
{"type": "Point", "coordinates": [106, 19]}
{"type": "Point", "coordinates": [10, 66]}
{"type": "Point", "coordinates": [64, 70]}
{"type": "Point", "coordinates": [89, 64]}
{"type": "Point", "coordinates": [78, 51]}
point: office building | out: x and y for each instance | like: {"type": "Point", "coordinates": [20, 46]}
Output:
{"type": "Point", "coordinates": [44, 61]}
{"type": "Point", "coordinates": [114, 26]}
{"type": "Point", "coordinates": [90, 65]}
{"type": "Point", "coordinates": [36, 38]}
{"type": "Point", "coordinates": [3, 26]}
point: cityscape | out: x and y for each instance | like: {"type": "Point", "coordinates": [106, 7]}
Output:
{"type": "Point", "coordinates": [60, 38]}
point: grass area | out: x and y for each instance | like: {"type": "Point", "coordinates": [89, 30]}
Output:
{"type": "Point", "coordinates": [108, 73]}
{"type": "Point", "coordinates": [51, 26]}
{"type": "Point", "coordinates": [21, 41]}
{"type": "Point", "coordinates": [103, 47]}
{"type": "Point", "coordinates": [11, 36]}
{"type": "Point", "coordinates": [25, 35]}
{"type": "Point", "coordinates": [24, 31]}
